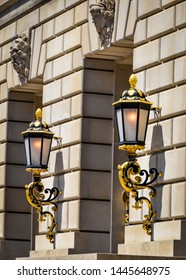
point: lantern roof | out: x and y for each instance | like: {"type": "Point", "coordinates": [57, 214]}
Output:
{"type": "Point", "coordinates": [38, 125]}
{"type": "Point", "coordinates": [132, 94]}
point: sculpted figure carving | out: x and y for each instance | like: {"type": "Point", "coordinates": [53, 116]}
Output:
{"type": "Point", "coordinates": [20, 55]}
{"type": "Point", "coordinates": [103, 18]}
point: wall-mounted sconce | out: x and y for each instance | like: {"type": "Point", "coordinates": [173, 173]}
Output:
{"type": "Point", "coordinates": [38, 140]}
{"type": "Point", "coordinates": [132, 115]}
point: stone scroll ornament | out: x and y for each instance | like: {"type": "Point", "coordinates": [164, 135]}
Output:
{"type": "Point", "coordinates": [20, 51]}
{"type": "Point", "coordinates": [103, 18]}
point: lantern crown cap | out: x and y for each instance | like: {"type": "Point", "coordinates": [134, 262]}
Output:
{"type": "Point", "coordinates": [38, 125]}
{"type": "Point", "coordinates": [133, 94]}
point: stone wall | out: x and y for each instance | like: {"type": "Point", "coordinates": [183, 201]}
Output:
{"type": "Point", "coordinates": [73, 105]}
{"type": "Point", "coordinates": [78, 80]}
{"type": "Point", "coordinates": [159, 55]}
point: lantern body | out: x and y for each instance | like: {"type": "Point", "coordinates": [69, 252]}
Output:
{"type": "Point", "coordinates": [132, 120]}
{"type": "Point", "coordinates": [37, 140]}
{"type": "Point", "coordinates": [37, 148]}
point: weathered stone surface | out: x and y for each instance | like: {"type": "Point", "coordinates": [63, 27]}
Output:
{"type": "Point", "coordinates": [146, 55]}
{"type": "Point", "coordinates": [161, 22]}
{"type": "Point", "coordinates": [167, 248]}
{"type": "Point", "coordinates": [159, 77]}
{"type": "Point", "coordinates": [173, 45]}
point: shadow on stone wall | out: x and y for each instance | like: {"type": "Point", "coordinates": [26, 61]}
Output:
{"type": "Point", "coordinates": [158, 144]}
{"type": "Point", "coordinates": [59, 183]}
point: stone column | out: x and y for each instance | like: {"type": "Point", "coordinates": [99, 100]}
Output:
{"type": "Point", "coordinates": [82, 167]}
{"type": "Point", "coordinates": [122, 72]}
{"type": "Point", "coordinates": [15, 215]}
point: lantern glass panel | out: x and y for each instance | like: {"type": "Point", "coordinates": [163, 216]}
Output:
{"type": "Point", "coordinates": [143, 118]}
{"type": "Point", "coordinates": [27, 150]}
{"type": "Point", "coordinates": [130, 123]}
{"type": "Point", "coordinates": [119, 119]}
{"type": "Point", "coordinates": [35, 147]}
{"type": "Point", "coordinates": [46, 150]}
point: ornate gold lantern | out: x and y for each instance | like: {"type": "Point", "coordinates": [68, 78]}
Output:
{"type": "Point", "coordinates": [132, 115]}
{"type": "Point", "coordinates": [38, 140]}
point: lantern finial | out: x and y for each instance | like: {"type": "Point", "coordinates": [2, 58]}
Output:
{"type": "Point", "coordinates": [38, 114]}
{"type": "Point", "coordinates": [133, 81]}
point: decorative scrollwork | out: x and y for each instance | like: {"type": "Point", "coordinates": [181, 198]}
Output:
{"type": "Point", "coordinates": [39, 197]}
{"type": "Point", "coordinates": [132, 179]}
{"type": "Point", "coordinates": [103, 18]}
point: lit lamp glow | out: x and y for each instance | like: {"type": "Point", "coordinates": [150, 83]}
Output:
{"type": "Point", "coordinates": [132, 115]}
{"type": "Point", "coordinates": [38, 140]}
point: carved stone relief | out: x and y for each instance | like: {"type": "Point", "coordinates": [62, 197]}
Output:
{"type": "Point", "coordinates": [103, 18]}
{"type": "Point", "coordinates": [20, 55]}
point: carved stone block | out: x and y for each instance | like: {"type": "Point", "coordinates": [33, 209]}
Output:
{"type": "Point", "coordinates": [103, 18]}
{"type": "Point", "coordinates": [20, 55]}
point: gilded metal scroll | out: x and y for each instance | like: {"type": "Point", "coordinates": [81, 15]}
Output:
{"type": "Point", "coordinates": [133, 179]}
{"type": "Point", "coordinates": [39, 197]}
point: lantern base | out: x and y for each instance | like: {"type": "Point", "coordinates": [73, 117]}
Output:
{"type": "Point", "coordinates": [131, 149]}
{"type": "Point", "coordinates": [36, 171]}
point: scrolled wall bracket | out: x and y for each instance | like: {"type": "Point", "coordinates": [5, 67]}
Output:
{"type": "Point", "coordinates": [133, 178]}
{"type": "Point", "coordinates": [39, 197]}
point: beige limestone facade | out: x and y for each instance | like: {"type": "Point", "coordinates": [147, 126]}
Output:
{"type": "Point", "coordinates": [75, 78]}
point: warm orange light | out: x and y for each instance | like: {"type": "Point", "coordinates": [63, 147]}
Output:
{"type": "Point", "coordinates": [132, 117]}
{"type": "Point", "coordinates": [37, 144]}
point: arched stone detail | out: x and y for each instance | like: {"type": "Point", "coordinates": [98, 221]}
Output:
{"type": "Point", "coordinates": [120, 48]}
{"type": "Point", "coordinates": [121, 45]}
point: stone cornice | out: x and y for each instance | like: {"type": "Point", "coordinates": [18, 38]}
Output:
{"type": "Point", "coordinates": [14, 9]}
